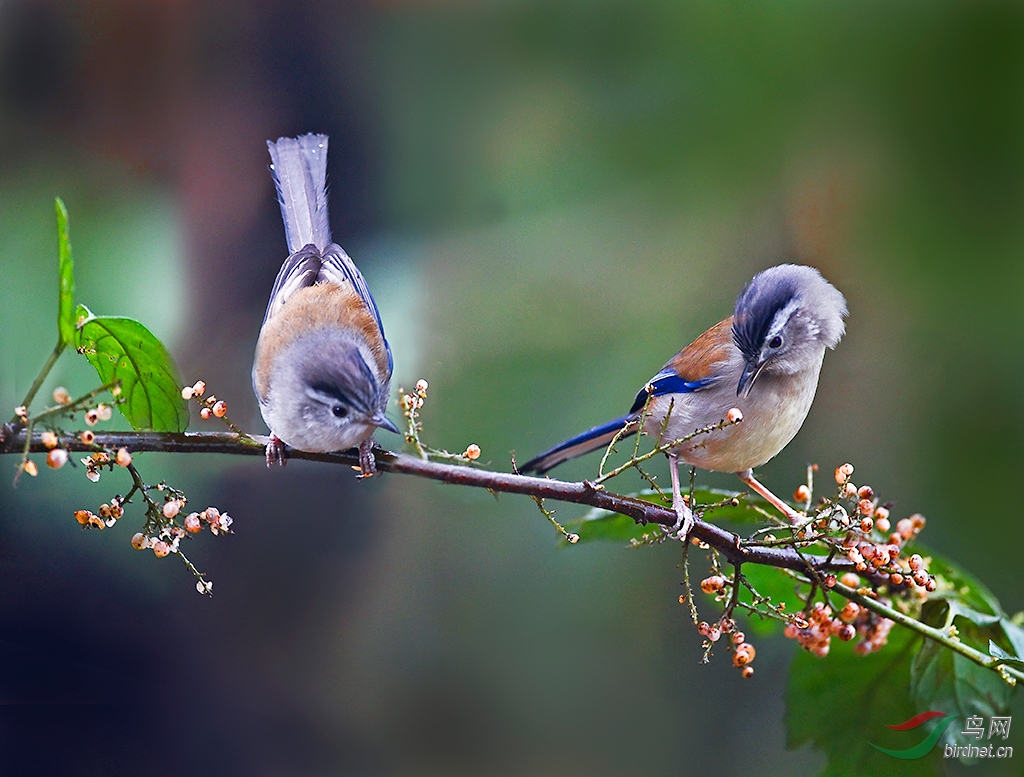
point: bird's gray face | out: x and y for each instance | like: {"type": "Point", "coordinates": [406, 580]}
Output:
{"type": "Point", "coordinates": [324, 396]}
{"type": "Point", "coordinates": [343, 396]}
{"type": "Point", "coordinates": [783, 321]}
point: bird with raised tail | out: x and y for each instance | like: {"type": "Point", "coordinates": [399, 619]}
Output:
{"type": "Point", "coordinates": [757, 371]}
{"type": "Point", "coordinates": [322, 369]}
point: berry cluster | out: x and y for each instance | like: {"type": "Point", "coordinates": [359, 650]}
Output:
{"type": "Point", "coordinates": [209, 406]}
{"type": "Point", "coordinates": [872, 546]}
{"type": "Point", "coordinates": [742, 651]}
{"type": "Point", "coordinates": [57, 455]}
{"type": "Point", "coordinates": [857, 531]}
{"type": "Point", "coordinates": [108, 514]}
{"type": "Point", "coordinates": [815, 631]}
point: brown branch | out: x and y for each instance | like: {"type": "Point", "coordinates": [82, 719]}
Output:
{"type": "Point", "coordinates": [12, 440]}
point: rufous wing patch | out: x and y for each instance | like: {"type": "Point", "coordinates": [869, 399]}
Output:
{"type": "Point", "coordinates": [699, 360]}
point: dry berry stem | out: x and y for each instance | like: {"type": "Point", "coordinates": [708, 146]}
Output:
{"type": "Point", "coordinates": [41, 377]}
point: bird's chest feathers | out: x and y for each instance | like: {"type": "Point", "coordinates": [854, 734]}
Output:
{"type": "Point", "coordinates": [773, 413]}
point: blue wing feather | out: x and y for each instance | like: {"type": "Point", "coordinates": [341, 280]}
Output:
{"type": "Point", "coordinates": [667, 382]}
{"type": "Point", "coordinates": [590, 440]}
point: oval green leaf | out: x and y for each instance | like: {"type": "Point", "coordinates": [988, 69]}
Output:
{"type": "Point", "coordinates": [122, 349]}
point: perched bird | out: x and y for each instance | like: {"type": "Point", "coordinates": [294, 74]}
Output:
{"type": "Point", "coordinates": [322, 368]}
{"type": "Point", "coordinates": [763, 361]}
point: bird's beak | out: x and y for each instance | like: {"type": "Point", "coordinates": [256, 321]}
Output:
{"type": "Point", "coordinates": [750, 372]}
{"type": "Point", "coordinates": [381, 420]}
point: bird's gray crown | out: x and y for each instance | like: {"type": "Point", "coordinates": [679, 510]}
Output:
{"type": "Point", "coordinates": [786, 289]}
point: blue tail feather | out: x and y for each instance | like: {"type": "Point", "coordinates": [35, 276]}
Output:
{"type": "Point", "coordinates": [590, 440]}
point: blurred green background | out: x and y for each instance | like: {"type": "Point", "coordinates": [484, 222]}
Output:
{"type": "Point", "coordinates": [548, 199]}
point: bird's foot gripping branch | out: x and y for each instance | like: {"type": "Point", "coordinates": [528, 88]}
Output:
{"type": "Point", "coordinates": [845, 580]}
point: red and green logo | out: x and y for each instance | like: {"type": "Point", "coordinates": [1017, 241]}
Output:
{"type": "Point", "coordinates": [920, 749]}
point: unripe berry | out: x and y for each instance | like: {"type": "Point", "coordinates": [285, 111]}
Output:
{"type": "Point", "coordinates": [710, 585]}
{"type": "Point", "coordinates": [847, 632]}
{"type": "Point", "coordinates": [161, 548]}
{"type": "Point", "coordinates": [171, 508]}
{"type": "Point", "coordinates": [220, 409]}
{"type": "Point", "coordinates": [56, 458]}
{"type": "Point", "coordinates": [61, 395]}
{"type": "Point", "coordinates": [745, 648]}
{"type": "Point", "coordinates": [193, 523]}
{"type": "Point", "coordinates": [199, 387]}
{"type": "Point", "coordinates": [87, 437]}
{"type": "Point", "coordinates": [205, 414]}
{"type": "Point", "coordinates": [849, 612]}
{"type": "Point", "coordinates": [734, 416]}
{"type": "Point", "coordinates": [916, 562]}
{"type": "Point", "coordinates": [138, 540]}
{"type": "Point", "coordinates": [802, 494]}
{"type": "Point", "coordinates": [850, 580]}
{"type": "Point", "coordinates": [30, 467]}
{"type": "Point", "coordinates": [472, 451]}
{"type": "Point", "coordinates": [48, 439]}
{"type": "Point", "coordinates": [123, 457]}
{"type": "Point", "coordinates": [747, 673]}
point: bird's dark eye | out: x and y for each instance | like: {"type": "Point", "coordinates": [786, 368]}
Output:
{"type": "Point", "coordinates": [775, 342]}
{"type": "Point", "coordinates": [340, 411]}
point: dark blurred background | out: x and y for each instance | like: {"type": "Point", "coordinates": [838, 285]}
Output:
{"type": "Point", "coordinates": [548, 198]}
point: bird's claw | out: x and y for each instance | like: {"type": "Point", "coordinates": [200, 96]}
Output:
{"type": "Point", "coordinates": [367, 464]}
{"type": "Point", "coordinates": [275, 452]}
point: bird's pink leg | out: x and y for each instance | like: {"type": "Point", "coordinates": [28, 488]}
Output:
{"type": "Point", "coordinates": [275, 451]}
{"type": "Point", "coordinates": [684, 516]}
{"type": "Point", "coordinates": [747, 476]}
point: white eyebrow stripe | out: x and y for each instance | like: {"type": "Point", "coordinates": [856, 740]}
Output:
{"type": "Point", "coordinates": [782, 316]}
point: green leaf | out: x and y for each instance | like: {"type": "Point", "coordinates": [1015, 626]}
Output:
{"type": "Point", "coordinates": [946, 681]}
{"type": "Point", "coordinates": [122, 349]}
{"type": "Point", "coordinates": [841, 705]}
{"type": "Point", "coordinates": [66, 291]}
{"type": "Point", "coordinates": [601, 524]}
{"type": "Point", "coordinates": [965, 588]}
